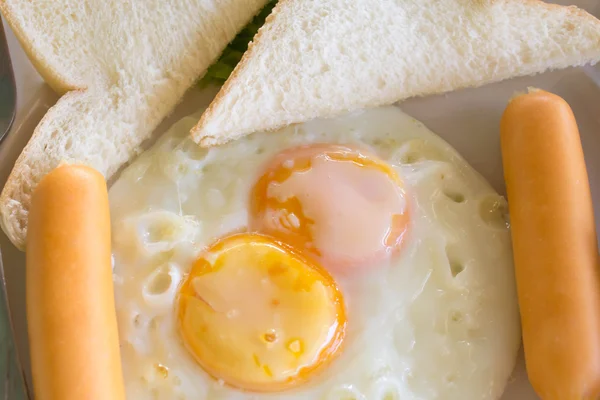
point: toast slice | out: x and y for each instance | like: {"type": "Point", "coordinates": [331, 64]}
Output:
{"type": "Point", "coordinates": [320, 58]}
{"type": "Point", "coordinates": [122, 66]}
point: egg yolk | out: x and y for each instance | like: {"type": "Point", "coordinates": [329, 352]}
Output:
{"type": "Point", "coordinates": [344, 206]}
{"type": "Point", "coordinates": [257, 315]}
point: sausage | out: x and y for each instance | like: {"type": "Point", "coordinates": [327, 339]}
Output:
{"type": "Point", "coordinates": [555, 246]}
{"type": "Point", "coordinates": [71, 314]}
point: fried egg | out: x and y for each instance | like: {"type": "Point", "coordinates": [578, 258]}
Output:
{"type": "Point", "coordinates": [353, 258]}
{"type": "Point", "coordinates": [346, 207]}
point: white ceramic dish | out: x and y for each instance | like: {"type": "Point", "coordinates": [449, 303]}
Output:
{"type": "Point", "coordinates": [467, 119]}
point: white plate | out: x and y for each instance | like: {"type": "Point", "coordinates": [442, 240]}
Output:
{"type": "Point", "coordinates": [467, 119]}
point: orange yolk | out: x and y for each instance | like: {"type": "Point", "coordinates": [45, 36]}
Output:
{"type": "Point", "coordinates": [344, 206]}
{"type": "Point", "coordinates": [259, 316]}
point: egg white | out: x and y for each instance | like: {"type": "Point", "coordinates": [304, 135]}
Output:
{"type": "Point", "coordinates": [439, 322]}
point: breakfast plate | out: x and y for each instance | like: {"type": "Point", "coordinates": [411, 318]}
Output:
{"type": "Point", "coordinates": [468, 120]}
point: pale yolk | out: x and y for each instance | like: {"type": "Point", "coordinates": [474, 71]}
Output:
{"type": "Point", "coordinates": [341, 204]}
{"type": "Point", "coordinates": [258, 316]}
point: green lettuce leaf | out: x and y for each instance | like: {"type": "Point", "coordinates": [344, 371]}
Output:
{"type": "Point", "coordinates": [218, 73]}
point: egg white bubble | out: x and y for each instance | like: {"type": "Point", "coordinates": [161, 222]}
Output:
{"type": "Point", "coordinates": [438, 322]}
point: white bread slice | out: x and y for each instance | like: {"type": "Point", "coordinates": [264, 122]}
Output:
{"type": "Point", "coordinates": [319, 58]}
{"type": "Point", "coordinates": [125, 65]}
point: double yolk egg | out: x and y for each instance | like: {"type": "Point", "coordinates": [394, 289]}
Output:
{"type": "Point", "coordinates": [260, 310]}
